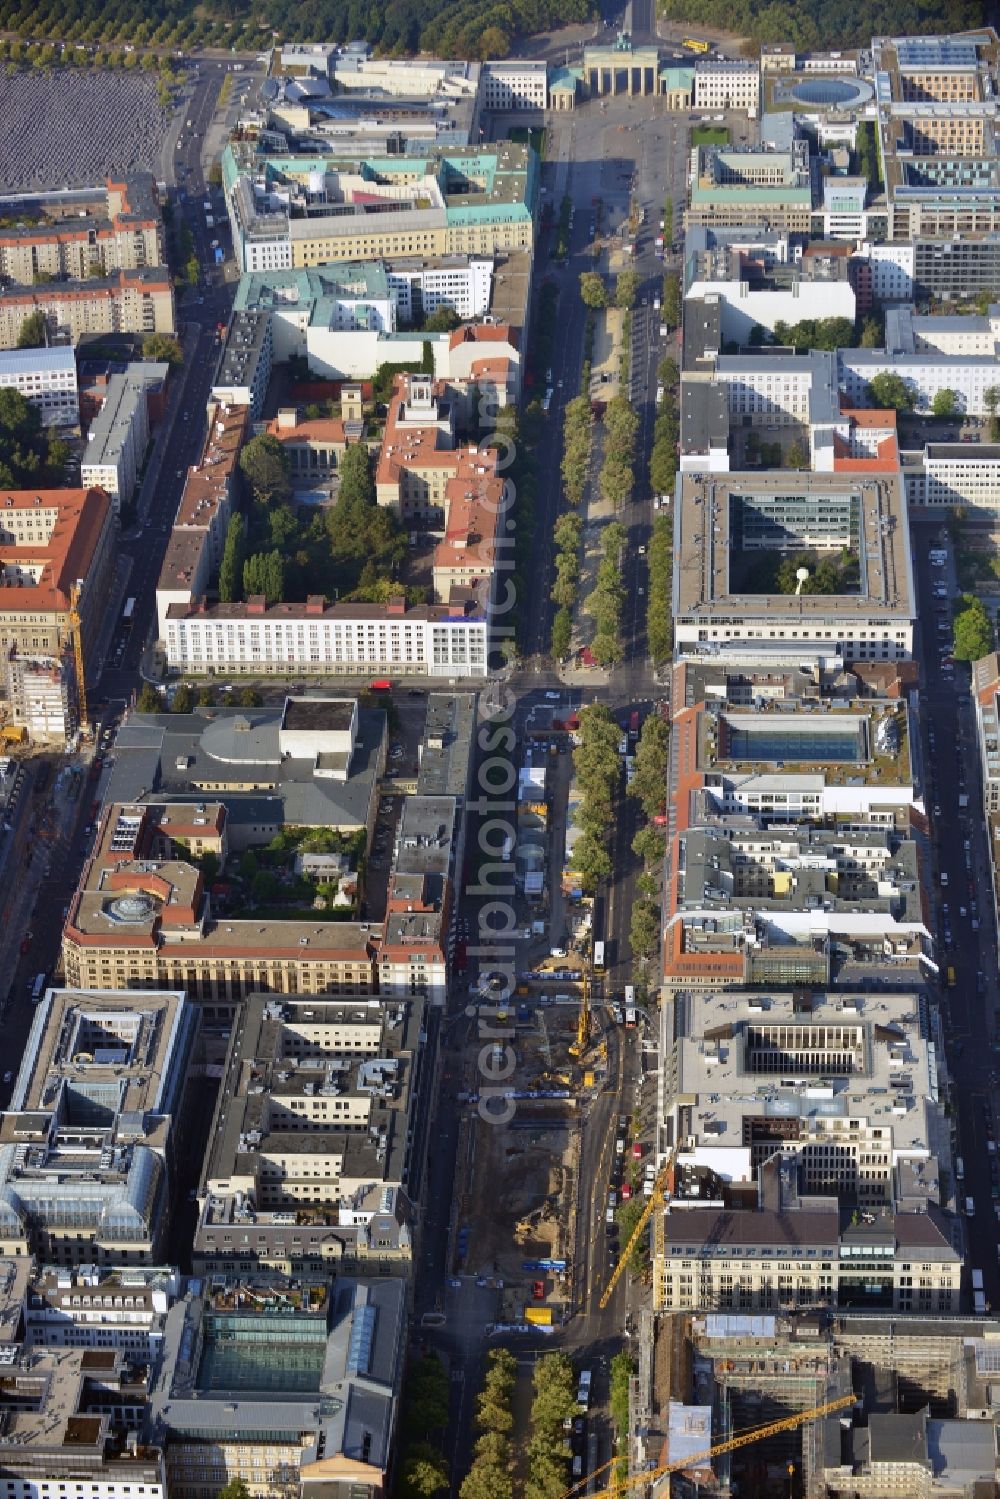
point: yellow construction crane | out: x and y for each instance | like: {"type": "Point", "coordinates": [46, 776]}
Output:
{"type": "Point", "coordinates": [579, 1046]}
{"type": "Point", "coordinates": [731, 1444]}
{"type": "Point", "coordinates": [655, 1198]}
{"type": "Point", "coordinates": [81, 677]}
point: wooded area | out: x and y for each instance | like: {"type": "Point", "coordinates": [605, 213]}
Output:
{"type": "Point", "coordinates": [827, 23]}
{"type": "Point", "coordinates": [446, 28]}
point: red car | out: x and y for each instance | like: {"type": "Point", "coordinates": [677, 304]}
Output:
{"type": "Point", "coordinates": [637, 1150]}
{"type": "Point", "coordinates": [626, 1191]}
{"type": "Point", "coordinates": [538, 1290]}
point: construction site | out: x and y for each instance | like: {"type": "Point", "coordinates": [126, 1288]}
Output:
{"type": "Point", "coordinates": [519, 1179]}
{"type": "Point", "coordinates": [815, 1405]}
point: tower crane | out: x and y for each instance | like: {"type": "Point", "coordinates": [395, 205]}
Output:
{"type": "Point", "coordinates": [81, 677]}
{"type": "Point", "coordinates": [731, 1444]}
{"type": "Point", "coordinates": [660, 1186]}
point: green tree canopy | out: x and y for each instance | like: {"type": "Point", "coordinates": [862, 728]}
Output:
{"type": "Point", "coordinates": [263, 462]}
{"type": "Point", "coordinates": [183, 700]}
{"type": "Point", "coordinates": [264, 573]}
{"type": "Point", "coordinates": [149, 700]}
{"type": "Point", "coordinates": [890, 392]}
{"type": "Point", "coordinates": [973, 631]}
{"type": "Point", "coordinates": [233, 557]}
{"type": "Point", "coordinates": [626, 289]}
{"type": "Point", "coordinates": [593, 292]}
{"type": "Point", "coordinates": [33, 333]}
{"type": "Point", "coordinates": [162, 348]}
{"type": "Point", "coordinates": [945, 402]}
{"type": "Point", "coordinates": [442, 320]}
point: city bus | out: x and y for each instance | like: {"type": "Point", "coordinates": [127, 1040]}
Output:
{"type": "Point", "coordinates": [129, 609]}
{"type": "Point", "coordinates": [598, 957]}
{"type": "Point", "coordinates": [693, 45]}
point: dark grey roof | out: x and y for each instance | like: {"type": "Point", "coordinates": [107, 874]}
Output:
{"type": "Point", "coordinates": [896, 1438]}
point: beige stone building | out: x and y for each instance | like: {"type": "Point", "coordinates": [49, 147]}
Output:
{"type": "Point", "coordinates": [121, 231]}
{"type": "Point", "coordinates": [48, 540]}
{"type": "Point", "coordinates": [132, 301]}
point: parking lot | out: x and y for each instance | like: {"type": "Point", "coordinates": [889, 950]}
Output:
{"type": "Point", "coordinates": [73, 129]}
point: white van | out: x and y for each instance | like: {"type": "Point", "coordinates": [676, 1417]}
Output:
{"type": "Point", "coordinates": [959, 1169]}
{"type": "Point", "coordinates": [970, 1208]}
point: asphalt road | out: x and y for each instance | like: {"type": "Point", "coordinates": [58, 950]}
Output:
{"type": "Point", "coordinates": [970, 1005]}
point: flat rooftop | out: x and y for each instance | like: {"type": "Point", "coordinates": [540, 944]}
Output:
{"type": "Point", "coordinates": [806, 1058]}
{"type": "Point", "coordinates": [872, 523]}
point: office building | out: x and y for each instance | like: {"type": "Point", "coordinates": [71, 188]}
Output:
{"type": "Point", "coordinates": [88, 1143]}
{"type": "Point", "coordinates": [448, 203]}
{"type": "Point", "coordinates": [317, 1149]}
{"type": "Point", "coordinates": [444, 641]}
{"type": "Point", "coordinates": [117, 227]}
{"type": "Point", "coordinates": [289, 1387]}
{"type": "Point", "coordinates": [727, 83]}
{"type": "Point", "coordinates": [793, 1250]}
{"type": "Point", "coordinates": [847, 1084]}
{"type": "Point", "coordinates": [122, 1308]}
{"type": "Point", "coordinates": [740, 185]}
{"type": "Point", "coordinates": [926, 373]}
{"type": "Point", "coordinates": [724, 523]}
{"type": "Point", "coordinates": [131, 301]}
{"type": "Point", "coordinates": [73, 1425]}
{"type": "Point", "coordinates": [46, 378]}
{"type": "Point", "coordinates": [119, 434]}
{"type": "Point", "coordinates": [514, 86]}
{"type": "Point", "coordinates": [757, 293]}
{"type": "Point", "coordinates": [953, 473]}
{"type": "Point", "coordinates": [51, 541]}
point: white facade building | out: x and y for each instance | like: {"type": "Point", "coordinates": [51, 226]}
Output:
{"type": "Point", "coordinates": [116, 443]}
{"type": "Point", "coordinates": [968, 375]}
{"type": "Point", "coordinates": [727, 83]}
{"type": "Point", "coordinates": [954, 473]}
{"type": "Point", "coordinates": [428, 640]}
{"type": "Point", "coordinates": [514, 85]}
{"type": "Point", "coordinates": [892, 271]}
{"type": "Point", "coordinates": [745, 306]}
{"type": "Point", "coordinates": [46, 378]}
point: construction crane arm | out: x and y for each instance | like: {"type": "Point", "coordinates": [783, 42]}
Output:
{"type": "Point", "coordinates": [741, 1439]}
{"type": "Point", "coordinates": [655, 1198]}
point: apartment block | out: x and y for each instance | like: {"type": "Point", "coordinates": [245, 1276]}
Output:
{"type": "Point", "coordinates": [116, 228]}
{"type": "Point", "coordinates": [130, 301]}
{"type": "Point", "coordinates": [286, 1386]}
{"type": "Point", "coordinates": [196, 542]}
{"type": "Point", "coordinates": [46, 378]}
{"type": "Point", "coordinates": [245, 364]}
{"type": "Point", "coordinates": [81, 1184]}
{"type": "Point", "coordinates": [727, 83]}
{"type": "Point", "coordinates": [50, 540]}
{"type": "Point", "coordinates": [119, 434]}
{"type": "Point", "coordinates": [317, 1149]}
